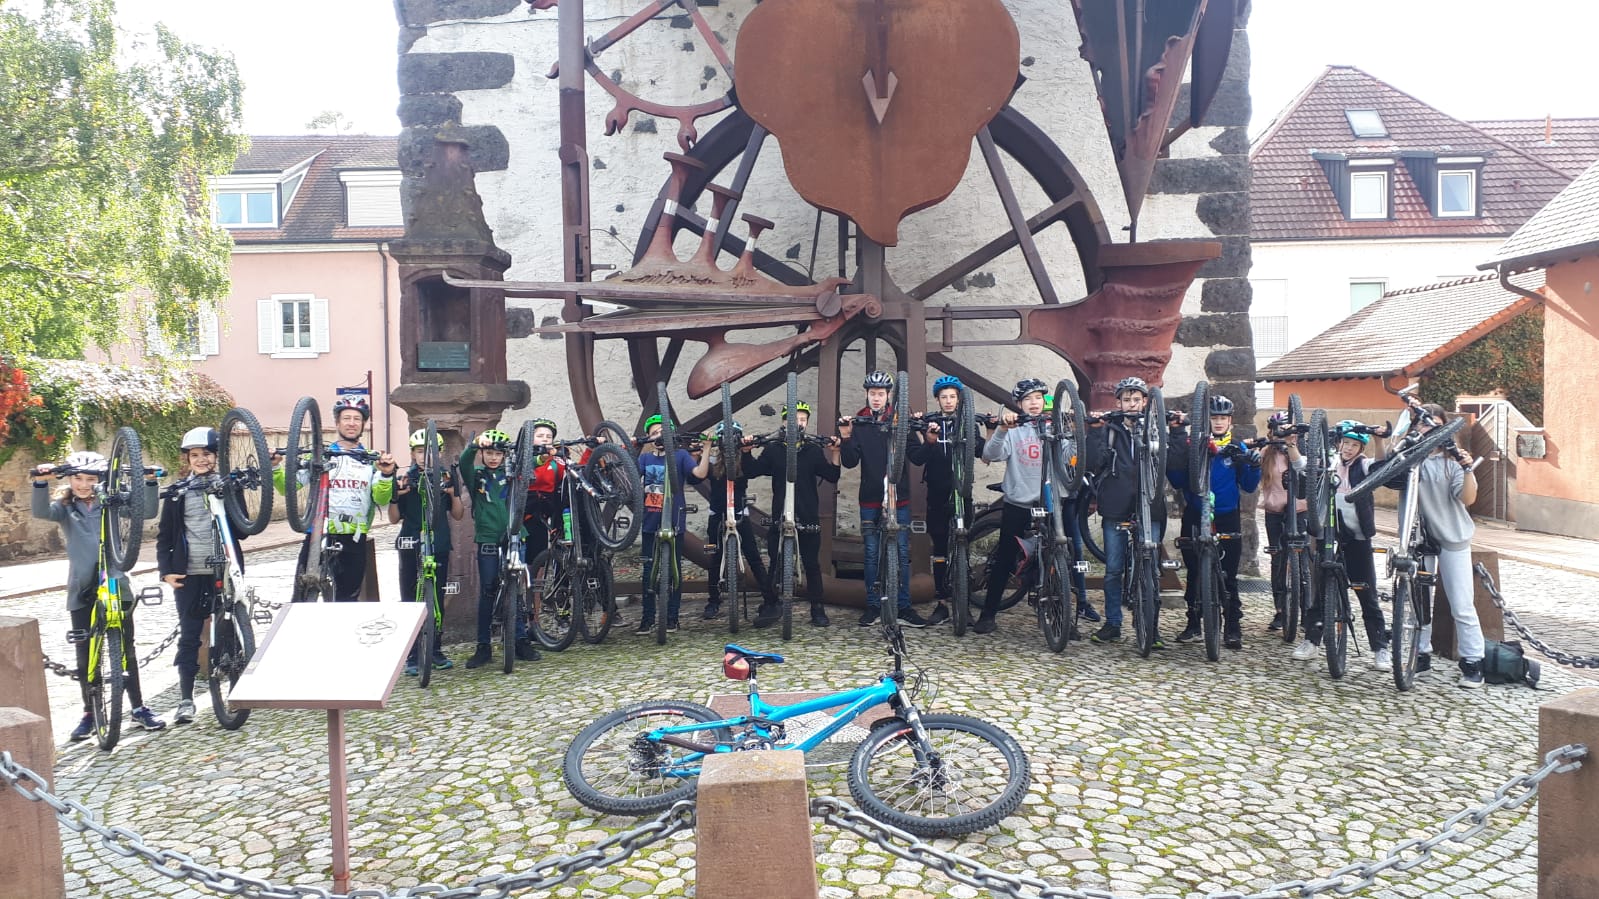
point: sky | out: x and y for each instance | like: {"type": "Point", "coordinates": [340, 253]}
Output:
{"type": "Point", "coordinates": [1472, 59]}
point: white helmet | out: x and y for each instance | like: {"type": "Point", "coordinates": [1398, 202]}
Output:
{"type": "Point", "coordinates": [199, 438]}
{"type": "Point", "coordinates": [86, 460]}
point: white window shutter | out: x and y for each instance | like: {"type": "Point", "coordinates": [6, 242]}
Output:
{"type": "Point", "coordinates": [320, 340]}
{"type": "Point", "coordinates": [267, 326]}
{"type": "Point", "coordinates": [210, 337]}
{"type": "Point", "coordinates": [155, 343]}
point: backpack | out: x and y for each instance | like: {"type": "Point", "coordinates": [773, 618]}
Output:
{"type": "Point", "coordinates": [1504, 663]}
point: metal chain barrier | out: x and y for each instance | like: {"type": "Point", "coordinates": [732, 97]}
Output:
{"type": "Point", "coordinates": [154, 654]}
{"type": "Point", "coordinates": [1564, 658]}
{"type": "Point", "coordinates": [1344, 881]}
{"type": "Point", "coordinates": [548, 873]}
{"type": "Point", "coordinates": [57, 668]}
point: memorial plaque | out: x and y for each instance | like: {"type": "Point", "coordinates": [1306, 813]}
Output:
{"type": "Point", "coordinates": [446, 355]}
{"type": "Point", "coordinates": [330, 655]}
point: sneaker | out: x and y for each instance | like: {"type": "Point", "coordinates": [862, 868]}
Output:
{"type": "Point", "coordinates": [1087, 613]}
{"type": "Point", "coordinates": [1423, 662]}
{"type": "Point", "coordinates": [84, 728]}
{"type": "Point", "coordinates": [1470, 674]}
{"type": "Point", "coordinates": [1190, 634]}
{"type": "Point", "coordinates": [1305, 651]}
{"type": "Point", "coordinates": [671, 625]}
{"type": "Point", "coordinates": [1110, 633]}
{"type": "Point", "coordinates": [869, 617]}
{"type": "Point", "coordinates": [985, 625]}
{"type": "Point", "coordinates": [645, 626]}
{"type": "Point", "coordinates": [939, 616]}
{"type": "Point", "coordinates": [1382, 659]}
{"type": "Point", "coordinates": [713, 610]}
{"type": "Point", "coordinates": [146, 719]}
{"type": "Point", "coordinates": [768, 614]}
{"type": "Point", "coordinates": [526, 651]}
{"type": "Point", "coordinates": [1276, 623]}
{"type": "Point", "coordinates": [441, 662]}
{"type": "Point", "coordinates": [185, 712]}
{"type": "Point", "coordinates": [1233, 640]}
{"type": "Point", "coordinates": [482, 657]}
{"type": "Point", "coordinates": [909, 618]}
{"type": "Point", "coordinates": [411, 669]}
{"type": "Point", "coordinates": [1158, 643]}
{"type": "Point", "coordinates": [819, 616]}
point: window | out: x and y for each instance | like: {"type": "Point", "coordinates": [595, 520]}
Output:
{"type": "Point", "coordinates": [1457, 193]}
{"type": "Point", "coordinates": [1368, 195]}
{"type": "Point", "coordinates": [1366, 123]}
{"type": "Point", "coordinates": [247, 209]}
{"type": "Point", "coordinates": [1271, 335]}
{"type": "Point", "coordinates": [372, 198]}
{"type": "Point", "coordinates": [1364, 293]}
{"type": "Point", "coordinates": [201, 338]}
{"type": "Point", "coordinates": [292, 326]}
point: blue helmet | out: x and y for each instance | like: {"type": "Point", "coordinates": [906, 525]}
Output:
{"type": "Point", "coordinates": [946, 381]}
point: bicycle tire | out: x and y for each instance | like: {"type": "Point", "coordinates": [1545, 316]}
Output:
{"type": "Point", "coordinates": [891, 758]}
{"type": "Point", "coordinates": [960, 588]}
{"type": "Point", "coordinates": [1413, 455]}
{"type": "Point", "coordinates": [664, 553]}
{"type": "Point", "coordinates": [1071, 422]}
{"type": "Point", "coordinates": [980, 551]}
{"type": "Point", "coordinates": [728, 443]}
{"type": "Point", "coordinates": [610, 432]}
{"type": "Point", "coordinates": [432, 480]}
{"type": "Point", "coordinates": [510, 609]}
{"type": "Point", "coordinates": [1292, 604]}
{"type": "Point", "coordinates": [791, 434]}
{"type": "Point", "coordinates": [732, 595]}
{"type": "Point", "coordinates": [609, 752]}
{"type": "Point", "coordinates": [1199, 440]}
{"type": "Point", "coordinates": [1335, 623]}
{"type": "Point", "coordinates": [552, 602]}
{"type": "Point", "coordinates": [243, 458]}
{"type": "Point", "coordinates": [1148, 601]}
{"type": "Point", "coordinates": [231, 651]}
{"type": "Point", "coordinates": [106, 676]}
{"type": "Point", "coordinates": [964, 445]}
{"type": "Point", "coordinates": [124, 500]}
{"type": "Point", "coordinates": [1405, 642]}
{"type": "Point", "coordinates": [668, 446]}
{"type": "Point", "coordinates": [1296, 411]}
{"type": "Point", "coordinates": [1090, 527]}
{"type": "Point", "coordinates": [899, 429]}
{"type": "Point", "coordinates": [520, 478]}
{"type": "Point", "coordinates": [1317, 482]}
{"type": "Point", "coordinates": [302, 464]}
{"type": "Point", "coordinates": [613, 518]}
{"type": "Point", "coordinates": [790, 550]}
{"type": "Point", "coordinates": [427, 643]}
{"type": "Point", "coordinates": [599, 602]}
{"type": "Point", "coordinates": [1210, 600]}
{"type": "Point", "coordinates": [1053, 620]}
{"type": "Point", "coordinates": [888, 570]}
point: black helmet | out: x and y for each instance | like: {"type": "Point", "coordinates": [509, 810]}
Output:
{"type": "Point", "coordinates": [1137, 384]}
{"type": "Point", "coordinates": [1220, 405]}
{"type": "Point", "coordinates": [1026, 386]}
{"type": "Point", "coordinates": [878, 379]}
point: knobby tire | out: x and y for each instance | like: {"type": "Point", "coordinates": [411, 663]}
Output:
{"type": "Point", "coordinates": [610, 769]}
{"type": "Point", "coordinates": [983, 775]}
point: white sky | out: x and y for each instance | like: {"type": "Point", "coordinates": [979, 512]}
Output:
{"type": "Point", "coordinates": [1473, 59]}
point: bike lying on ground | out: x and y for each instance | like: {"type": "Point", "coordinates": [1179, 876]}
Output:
{"type": "Point", "coordinates": [933, 775]}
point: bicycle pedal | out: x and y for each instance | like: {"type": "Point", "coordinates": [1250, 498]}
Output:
{"type": "Point", "coordinates": [451, 588]}
{"type": "Point", "coordinates": [690, 509]}
{"type": "Point", "coordinates": [1170, 564]}
{"type": "Point", "coordinates": [150, 596]}
{"type": "Point", "coordinates": [77, 636]}
{"type": "Point", "coordinates": [408, 543]}
{"type": "Point", "coordinates": [622, 522]}
{"type": "Point", "coordinates": [918, 526]}
{"type": "Point", "coordinates": [1080, 567]}
{"type": "Point", "coordinates": [1039, 513]}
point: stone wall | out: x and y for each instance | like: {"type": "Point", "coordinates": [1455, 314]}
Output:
{"type": "Point", "coordinates": [22, 535]}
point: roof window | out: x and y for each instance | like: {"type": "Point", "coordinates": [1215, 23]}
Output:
{"type": "Point", "coordinates": [1366, 123]}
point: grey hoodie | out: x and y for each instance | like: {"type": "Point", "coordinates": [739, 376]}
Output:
{"type": "Point", "coordinates": [1023, 454]}
{"type": "Point", "coordinates": [1439, 487]}
{"type": "Point", "coordinates": [80, 525]}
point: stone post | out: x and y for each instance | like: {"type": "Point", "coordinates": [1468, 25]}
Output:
{"type": "Point", "coordinates": [753, 835]}
{"type": "Point", "coordinates": [21, 669]}
{"type": "Point", "coordinates": [30, 865]}
{"type": "Point", "coordinates": [1443, 620]}
{"type": "Point", "coordinates": [1568, 855]}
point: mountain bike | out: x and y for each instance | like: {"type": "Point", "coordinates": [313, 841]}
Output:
{"type": "Point", "coordinates": [511, 581]}
{"type": "Point", "coordinates": [1141, 576]}
{"type": "Point", "coordinates": [1412, 578]}
{"type": "Point", "coordinates": [665, 563]}
{"type": "Point", "coordinates": [1206, 540]}
{"type": "Point", "coordinates": [428, 480]}
{"type": "Point", "coordinates": [897, 426]}
{"type": "Point", "coordinates": [1296, 543]}
{"type": "Point", "coordinates": [930, 774]}
{"type": "Point", "coordinates": [958, 434]}
{"type": "Point", "coordinates": [729, 545]}
{"type": "Point", "coordinates": [1332, 584]}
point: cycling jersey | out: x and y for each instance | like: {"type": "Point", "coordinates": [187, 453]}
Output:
{"type": "Point", "coordinates": [355, 491]}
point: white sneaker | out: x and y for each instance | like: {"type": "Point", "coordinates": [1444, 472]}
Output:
{"type": "Point", "coordinates": [1382, 659]}
{"type": "Point", "coordinates": [1305, 651]}
{"type": "Point", "coordinates": [185, 712]}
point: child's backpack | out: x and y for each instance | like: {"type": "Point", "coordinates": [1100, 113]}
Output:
{"type": "Point", "coordinates": [1504, 663]}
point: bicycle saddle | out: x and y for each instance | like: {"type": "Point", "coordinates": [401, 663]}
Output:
{"type": "Point", "coordinates": [739, 663]}
{"type": "Point", "coordinates": [758, 658]}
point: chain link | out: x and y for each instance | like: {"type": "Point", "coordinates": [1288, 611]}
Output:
{"type": "Point", "coordinates": [154, 654]}
{"type": "Point", "coordinates": [57, 668]}
{"type": "Point", "coordinates": [1564, 658]}
{"type": "Point", "coordinates": [548, 873]}
{"type": "Point", "coordinates": [1344, 881]}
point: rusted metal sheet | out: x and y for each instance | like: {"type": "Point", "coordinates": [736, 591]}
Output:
{"type": "Point", "coordinates": [876, 109]}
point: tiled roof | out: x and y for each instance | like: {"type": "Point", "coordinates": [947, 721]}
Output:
{"type": "Point", "coordinates": [1406, 330]}
{"type": "Point", "coordinates": [1290, 198]}
{"type": "Point", "coordinates": [1573, 144]}
{"type": "Point", "coordinates": [1570, 220]}
{"type": "Point", "coordinates": [317, 213]}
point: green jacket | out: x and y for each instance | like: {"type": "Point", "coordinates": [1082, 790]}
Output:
{"type": "Point", "coordinates": [491, 490]}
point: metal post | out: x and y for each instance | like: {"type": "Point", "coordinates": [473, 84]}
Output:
{"type": "Point", "coordinates": [338, 801]}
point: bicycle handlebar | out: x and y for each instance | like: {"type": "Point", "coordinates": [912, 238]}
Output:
{"type": "Point", "coordinates": [67, 471]}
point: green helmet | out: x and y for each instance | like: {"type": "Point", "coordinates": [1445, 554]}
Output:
{"type": "Point", "coordinates": [651, 422]}
{"type": "Point", "coordinates": [546, 423]}
{"type": "Point", "coordinates": [498, 439]}
{"type": "Point", "coordinates": [419, 437]}
{"type": "Point", "coordinates": [800, 406]}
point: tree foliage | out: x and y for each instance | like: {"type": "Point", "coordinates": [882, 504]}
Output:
{"type": "Point", "coordinates": [1510, 358]}
{"type": "Point", "coordinates": [106, 142]}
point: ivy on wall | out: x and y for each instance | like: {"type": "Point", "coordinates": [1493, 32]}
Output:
{"type": "Point", "coordinates": [1509, 359]}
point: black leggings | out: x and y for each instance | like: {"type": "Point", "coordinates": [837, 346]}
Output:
{"type": "Point", "coordinates": [1014, 521]}
{"type": "Point", "coordinates": [748, 548]}
{"type": "Point", "coordinates": [1361, 568]}
{"type": "Point", "coordinates": [1231, 552]}
{"type": "Point", "coordinates": [81, 621]}
{"type": "Point", "coordinates": [194, 600]}
{"type": "Point", "coordinates": [1277, 542]}
{"type": "Point", "coordinates": [810, 556]}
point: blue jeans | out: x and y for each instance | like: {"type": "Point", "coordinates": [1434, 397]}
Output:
{"type": "Point", "coordinates": [675, 600]}
{"type": "Point", "coordinates": [1116, 542]}
{"type": "Point", "coordinates": [1079, 578]}
{"type": "Point", "coordinates": [488, 577]}
{"type": "Point", "coordinates": [871, 533]}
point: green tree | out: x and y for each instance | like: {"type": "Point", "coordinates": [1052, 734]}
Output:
{"type": "Point", "coordinates": [1509, 358]}
{"type": "Point", "coordinates": [106, 142]}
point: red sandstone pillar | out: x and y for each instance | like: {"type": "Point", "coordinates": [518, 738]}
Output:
{"type": "Point", "coordinates": [1568, 855]}
{"type": "Point", "coordinates": [754, 827]}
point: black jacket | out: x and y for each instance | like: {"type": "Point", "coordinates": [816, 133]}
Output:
{"type": "Point", "coordinates": [810, 468]}
{"type": "Point", "coordinates": [937, 473]}
{"type": "Point", "coordinates": [867, 447]}
{"type": "Point", "coordinates": [1365, 506]}
{"type": "Point", "coordinates": [1110, 461]}
{"type": "Point", "coordinates": [172, 541]}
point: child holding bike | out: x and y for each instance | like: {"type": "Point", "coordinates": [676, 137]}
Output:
{"type": "Point", "coordinates": [812, 466]}
{"type": "Point", "coordinates": [652, 466]}
{"type": "Point", "coordinates": [77, 510]}
{"type": "Point", "coordinates": [1111, 450]}
{"type": "Point", "coordinates": [406, 511]}
{"type": "Point", "coordinates": [490, 487]}
{"type": "Point", "coordinates": [1357, 524]}
{"type": "Point", "coordinates": [712, 468]}
{"type": "Point", "coordinates": [932, 453]}
{"type": "Point", "coordinates": [1275, 463]}
{"type": "Point", "coordinates": [1022, 450]}
{"type": "Point", "coordinates": [545, 505]}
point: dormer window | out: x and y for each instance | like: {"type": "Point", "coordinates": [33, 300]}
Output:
{"type": "Point", "coordinates": [1457, 188]}
{"type": "Point", "coordinates": [1366, 123]}
{"type": "Point", "coordinates": [249, 201]}
{"type": "Point", "coordinates": [1368, 195]}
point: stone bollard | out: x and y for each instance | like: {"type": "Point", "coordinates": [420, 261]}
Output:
{"type": "Point", "coordinates": [1568, 855]}
{"type": "Point", "coordinates": [30, 865]}
{"type": "Point", "coordinates": [753, 828]}
{"type": "Point", "coordinates": [1488, 614]}
{"type": "Point", "coordinates": [21, 667]}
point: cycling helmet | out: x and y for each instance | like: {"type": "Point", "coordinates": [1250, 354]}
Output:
{"type": "Point", "coordinates": [1346, 428]}
{"type": "Point", "coordinates": [87, 460]}
{"type": "Point", "coordinates": [800, 406]}
{"type": "Point", "coordinates": [1049, 402]}
{"type": "Point", "coordinates": [1277, 420]}
{"type": "Point", "coordinates": [546, 423]}
{"type": "Point", "coordinates": [199, 438]}
{"type": "Point", "coordinates": [420, 438]}
{"type": "Point", "coordinates": [498, 439]}
{"type": "Point", "coordinates": [651, 422]}
{"type": "Point", "coordinates": [1137, 384]}
{"type": "Point", "coordinates": [357, 403]}
{"type": "Point", "coordinates": [946, 381]}
{"type": "Point", "coordinates": [878, 379]}
{"type": "Point", "coordinates": [738, 431]}
{"type": "Point", "coordinates": [1220, 405]}
{"type": "Point", "coordinates": [1026, 386]}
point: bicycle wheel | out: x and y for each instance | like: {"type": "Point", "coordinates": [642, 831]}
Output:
{"type": "Point", "coordinates": [1210, 601]}
{"type": "Point", "coordinates": [433, 471]}
{"type": "Point", "coordinates": [612, 768]}
{"type": "Point", "coordinates": [124, 500]}
{"type": "Point", "coordinates": [790, 551]}
{"type": "Point", "coordinates": [898, 430]}
{"type": "Point", "coordinates": [106, 684]}
{"type": "Point", "coordinates": [611, 432]}
{"type": "Point", "coordinates": [1335, 622]}
{"type": "Point", "coordinates": [960, 587]}
{"type": "Point", "coordinates": [983, 541]}
{"type": "Point", "coordinates": [1199, 440]}
{"type": "Point", "coordinates": [967, 776]}
{"type": "Point", "coordinates": [1147, 596]}
{"type": "Point", "coordinates": [1089, 525]}
{"type": "Point", "coordinates": [791, 433]}
{"type": "Point", "coordinates": [1053, 619]}
{"type": "Point", "coordinates": [665, 558]}
{"type": "Point", "coordinates": [614, 516]}
{"type": "Point", "coordinates": [242, 456]}
{"type": "Point", "coordinates": [730, 579]}
{"type": "Point", "coordinates": [888, 571]}
{"type": "Point", "coordinates": [963, 443]}
{"type": "Point", "coordinates": [520, 476]}
{"type": "Point", "coordinates": [232, 646]}
{"type": "Point", "coordinates": [1317, 484]}
{"type": "Point", "coordinates": [551, 602]}
{"type": "Point", "coordinates": [1293, 603]}
{"type": "Point", "coordinates": [1071, 422]}
{"type": "Point", "coordinates": [427, 643]}
{"type": "Point", "coordinates": [1405, 644]}
{"type": "Point", "coordinates": [302, 464]}
{"type": "Point", "coordinates": [510, 613]}
{"type": "Point", "coordinates": [1296, 410]}
{"type": "Point", "coordinates": [599, 602]}
{"type": "Point", "coordinates": [1413, 456]}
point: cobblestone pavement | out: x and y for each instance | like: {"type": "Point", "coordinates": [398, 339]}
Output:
{"type": "Point", "coordinates": [1165, 774]}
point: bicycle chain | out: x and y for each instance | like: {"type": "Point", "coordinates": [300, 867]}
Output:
{"type": "Point", "coordinates": [550, 872]}
{"type": "Point", "coordinates": [1405, 855]}
{"type": "Point", "coordinates": [1563, 658]}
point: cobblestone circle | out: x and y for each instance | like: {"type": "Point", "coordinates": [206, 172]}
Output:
{"type": "Point", "coordinates": [1167, 774]}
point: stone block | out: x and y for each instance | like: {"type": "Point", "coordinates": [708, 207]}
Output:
{"type": "Point", "coordinates": [1568, 855]}
{"type": "Point", "coordinates": [21, 676]}
{"type": "Point", "coordinates": [1228, 364]}
{"type": "Point", "coordinates": [429, 110]}
{"type": "Point", "coordinates": [1234, 261]}
{"type": "Point", "coordinates": [1225, 213]}
{"type": "Point", "coordinates": [31, 863]}
{"type": "Point", "coordinates": [1200, 175]}
{"type": "Point", "coordinates": [1226, 295]}
{"type": "Point", "coordinates": [426, 12]}
{"type": "Point", "coordinates": [1488, 614]}
{"type": "Point", "coordinates": [1233, 141]}
{"type": "Point", "coordinates": [433, 73]}
{"type": "Point", "coordinates": [1225, 329]}
{"type": "Point", "coordinates": [753, 835]}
